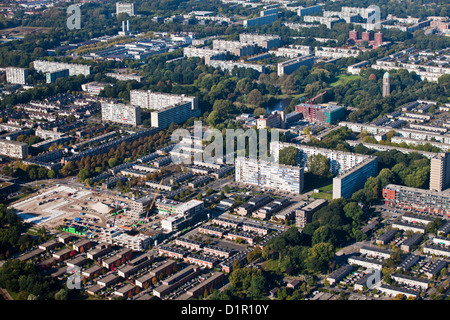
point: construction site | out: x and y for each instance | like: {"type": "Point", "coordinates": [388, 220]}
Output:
{"type": "Point", "coordinates": [83, 211]}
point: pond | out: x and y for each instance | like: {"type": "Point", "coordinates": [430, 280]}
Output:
{"type": "Point", "coordinates": [280, 105]}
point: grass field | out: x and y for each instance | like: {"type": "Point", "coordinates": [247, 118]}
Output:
{"type": "Point", "coordinates": [343, 79]}
{"type": "Point", "coordinates": [316, 182]}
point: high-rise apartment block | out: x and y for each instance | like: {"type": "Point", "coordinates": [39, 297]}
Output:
{"type": "Point", "coordinates": [440, 171]}
{"type": "Point", "coordinates": [147, 99]}
{"type": "Point", "coordinates": [16, 75]}
{"type": "Point", "coordinates": [269, 174]}
{"type": "Point", "coordinates": [262, 40]}
{"type": "Point", "coordinates": [51, 77]}
{"type": "Point", "coordinates": [267, 17]}
{"type": "Point", "coordinates": [122, 7]}
{"type": "Point", "coordinates": [121, 113]}
{"type": "Point", "coordinates": [289, 66]}
{"type": "Point", "coordinates": [237, 48]}
{"type": "Point", "coordinates": [353, 169]}
{"type": "Point", "coordinates": [13, 149]}
{"type": "Point", "coordinates": [386, 84]}
{"type": "Point", "coordinates": [177, 113]}
{"type": "Point", "coordinates": [50, 66]}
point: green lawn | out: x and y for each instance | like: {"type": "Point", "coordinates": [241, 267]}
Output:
{"type": "Point", "coordinates": [270, 265]}
{"type": "Point", "coordinates": [322, 195]}
{"type": "Point", "coordinates": [316, 182]}
{"type": "Point", "coordinates": [326, 192]}
{"type": "Point", "coordinates": [344, 78]}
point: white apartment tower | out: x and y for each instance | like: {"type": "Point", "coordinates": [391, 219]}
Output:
{"type": "Point", "coordinates": [121, 113]}
{"type": "Point", "coordinates": [16, 75]}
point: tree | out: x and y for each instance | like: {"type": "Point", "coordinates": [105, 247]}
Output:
{"type": "Point", "coordinates": [112, 162]}
{"type": "Point", "coordinates": [255, 97]}
{"type": "Point", "coordinates": [288, 156]}
{"type": "Point", "coordinates": [324, 234]}
{"type": "Point", "coordinates": [259, 112]}
{"type": "Point", "coordinates": [61, 295]}
{"type": "Point", "coordinates": [318, 164]}
{"type": "Point", "coordinates": [83, 174]}
{"type": "Point", "coordinates": [319, 256]}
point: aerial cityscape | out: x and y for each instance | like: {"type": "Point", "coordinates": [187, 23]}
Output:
{"type": "Point", "coordinates": [233, 150]}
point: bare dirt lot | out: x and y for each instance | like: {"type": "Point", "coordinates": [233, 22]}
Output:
{"type": "Point", "coordinates": [52, 205]}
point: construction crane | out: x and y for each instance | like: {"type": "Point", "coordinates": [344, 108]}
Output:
{"type": "Point", "coordinates": [153, 201]}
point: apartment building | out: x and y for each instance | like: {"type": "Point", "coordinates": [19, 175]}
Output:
{"type": "Point", "coordinates": [166, 266]}
{"type": "Point", "coordinates": [147, 99]}
{"type": "Point", "coordinates": [124, 76]}
{"type": "Point", "coordinates": [94, 88]}
{"type": "Point", "coordinates": [172, 252]}
{"type": "Point", "coordinates": [230, 65]}
{"type": "Point", "coordinates": [273, 120]}
{"type": "Point", "coordinates": [321, 113]}
{"type": "Point", "coordinates": [338, 275]}
{"type": "Point", "coordinates": [99, 251]}
{"type": "Point", "coordinates": [394, 291]}
{"type": "Point", "coordinates": [375, 252]}
{"type": "Point", "coordinates": [176, 280]}
{"type": "Point", "coordinates": [123, 7]}
{"type": "Point", "coordinates": [269, 174]}
{"type": "Point", "coordinates": [16, 75]}
{"type": "Point", "coordinates": [74, 69]}
{"type": "Point", "coordinates": [334, 53]}
{"type": "Point", "coordinates": [289, 66]}
{"type": "Point", "coordinates": [366, 262]}
{"type": "Point", "coordinates": [189, 244]}
{"type": "Point", "coordinates": [177, 113]}
{"type": "Point", "coordinates": [135, 265]}
{"type": "Point", "coordinates": [117, 236]}
{"type": "Point", "coordinates": [427, 201]}
{"type": "Point", "coordinates": [353, 169]}
{"type": "Point", "coordinates": [206, 53]}
{"type": "Point", "coordinates": [440, 171]}
{"type": "Point", "coordinates": [202, 261]}
{"type": "Point", "coordinates": [237, 48]}
{"type": "Point", "coordinates": [405, 226]}
{"type": "Point", "coordinates": [13, 149]}
{"type": "Point", "coordinates": [52, 76]}
{"type": "Point", "coordinates": [121, 113]}
{"type": "Point", "coordinates": [214, 281]}
{"type": "Point", "coordinates": [292, 51]}
{"type": "Point", "coordinates": [410, 281]}
{"type": "Point", "coordinates": [345, 184]}
{"type": "Point", "coordinates": [218, 232]}
{"type": "Point", "coordinates": [264, 41]}
{"type": "Point", "coordinates": [262, 20]}
{"type": "Point", "coordinates": [303, 215]}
